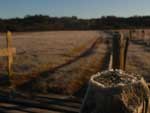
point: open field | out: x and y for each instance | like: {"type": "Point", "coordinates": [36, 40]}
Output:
{"type": "Point", "coordinates": [68, 57]}
{"type": "Point", "coordinates": [63, 62]}
{"type": "Point", "coordinates": [138, 60]}
{"type": "Point", "coordinates": [44, 50]}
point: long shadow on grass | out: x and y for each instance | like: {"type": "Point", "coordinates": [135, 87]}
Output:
{"type": "Point", "coordinates": [45, 74]}
{"type": "Point", "coordinates": [105, 64]}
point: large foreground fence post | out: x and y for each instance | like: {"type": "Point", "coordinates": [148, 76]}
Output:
{"type": "Point", "coordinates": [116, 92]}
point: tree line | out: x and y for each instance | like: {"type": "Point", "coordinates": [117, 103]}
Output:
{"type": "Point", "coordinates": [44, 23]}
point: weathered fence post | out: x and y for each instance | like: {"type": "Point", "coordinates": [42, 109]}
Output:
{"type": "Point", "coordinates": [10, 56]}
{"type": "Point", "coordinates": [119, 52]}
{"type": "Point", "coordinates": [130, 34]}
{"type": "Point", "coordinates": [116, 51]}
{"type": "Point", "coordinates": [143, 34]}
{"type": "Point", "coordinates": [8, 52]}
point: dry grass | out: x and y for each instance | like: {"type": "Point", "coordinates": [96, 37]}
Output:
{"type": "Point", "coordinates": [42, 51]}
{"type": "Point", "coordinates": [39, 51]}
{"type": "Point", "coordinates": [138, 60]}
{"type": "Point", "coordinates": [87, 70]}
{"type": "Point", "coordinates": [74, 76]}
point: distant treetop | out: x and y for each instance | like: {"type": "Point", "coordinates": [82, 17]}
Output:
{"type": "Point", "coordinates": [45, 23]}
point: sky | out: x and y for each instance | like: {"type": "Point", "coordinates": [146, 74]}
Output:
{"type": "Point", "coordinates": [79, 8]}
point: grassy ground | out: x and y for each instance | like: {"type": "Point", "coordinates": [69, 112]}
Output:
{"type": "Point", "coordinates": [71, 78]}
{"type": "Point", "coordinates": [40, 51]}
{"type": "Point", "coordinates": [76, 55]}
{"type": "Point", "coordinates": [138, 60]}
{"type": "Point", "coordinates": [68, 59]}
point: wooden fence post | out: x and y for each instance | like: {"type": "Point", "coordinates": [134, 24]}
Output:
{"type": "Point", "coordinates": [116, 51]}
{"type": "Point", "coordinates": [10, 57]}
{"type": "Point", "coordinates": [143, 34]}
{"type": "Point", "coordinates": [119, 52]}
{"type": "Point", "coordinates": [126, 51]}
{"type": "Point", "coordinates": [130, 34]}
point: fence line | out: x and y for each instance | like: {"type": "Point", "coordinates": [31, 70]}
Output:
{"type": "Point", "coordinates": [119, 51]}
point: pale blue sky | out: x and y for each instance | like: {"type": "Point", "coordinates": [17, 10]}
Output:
{"type": "Point", "coordinates": [80, 8]}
